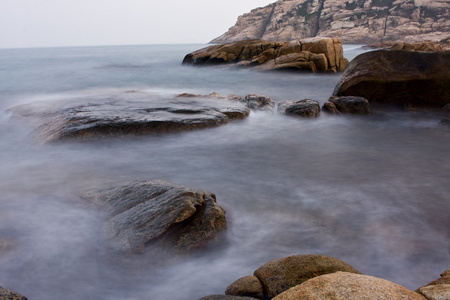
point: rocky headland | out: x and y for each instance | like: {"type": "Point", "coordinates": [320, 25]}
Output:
{"type": "Point", "coordinates": [353, 21]}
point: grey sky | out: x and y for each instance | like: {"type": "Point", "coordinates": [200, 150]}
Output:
{"type": "Point", "coordinates": [49, 23]}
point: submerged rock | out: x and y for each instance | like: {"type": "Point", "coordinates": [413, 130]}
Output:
{"type": "Point", "coordinates": [158, 214]}
{"type": "Point", "coordinates": [344, 286]}
{"type": "Point", "coordinates": [6, 294]}
{"type": "Point", "coordinates": [315, 55]}
{"type": "Point", "coordinates": [406, 78]}
{"type": "Point", "coordinates": [347, 105]}
{"type": "Point", "coordinates": [7, 247]}
{"type": "Point", "coordinates": [125, 114]}
{"type": "Point", "coordinates": [306, 108]}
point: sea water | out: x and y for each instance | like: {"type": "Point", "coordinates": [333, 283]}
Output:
{"type": "Point", "coordinates": [372, 191]}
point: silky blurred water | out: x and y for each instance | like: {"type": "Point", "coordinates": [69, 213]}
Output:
{"type": "Point", "coordinates": [371, 191]}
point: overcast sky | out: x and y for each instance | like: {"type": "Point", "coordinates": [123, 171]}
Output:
{"type": "Point", "coordinates": [49, 23]}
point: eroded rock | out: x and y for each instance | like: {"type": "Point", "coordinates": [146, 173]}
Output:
{"type": "Point", "coordinates": [171, 217]}
{"type": "Point", "coordinates": [348, 286]}
{"type": "Point", "coordinates": [125, 114]}
{"type": "Point", "coordinates": [315, 55]}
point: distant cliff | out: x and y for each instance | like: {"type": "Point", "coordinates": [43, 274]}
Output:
{"type": "Point", "coordinates": [353, 21]}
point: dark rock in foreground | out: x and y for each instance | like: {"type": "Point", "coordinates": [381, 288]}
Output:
{"type": "Point", "coordinates": [347, 105]}
{"type": "Point", "coordinates": [160, 215]}
{"type": "Point", "coordinates": [305, 108]}
{"type": "Point", "coordinates": [406, 78]}
{"type": "Point", "coordinates": [127, 114]}
{"type": "Point", "coordinates": [6, 294]}
{"type": "Point", "coordinates": [315, 55]}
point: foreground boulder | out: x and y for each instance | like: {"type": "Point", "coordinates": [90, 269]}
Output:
{"type": "Point", "coordinates": [281, 274]}
{"type": "Point", "coordinates": [406, 78]}
{"type": "Point", "coordinates": [437, 289]}
{"type": "Point", "coordinates": [344, 286]}
{"type": "Point", "coordinates": [124, 114]}
{"type": "Point", "coordinates": [157, 214]}
{"type": "Point", "coordinates": [315, 55]}
{"type": "Point", "coordinates": [6, 294]}
{"type": "Point", "coordinates": [347, 105]}
{"type": "Point", "coordinates": [305, 108]}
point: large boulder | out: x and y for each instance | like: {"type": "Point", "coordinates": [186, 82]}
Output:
{"type": "Point", "coordinates": [125, 113]}
{"type": "Point", "coordinates": [315, 54]}
{"type": "Point", "coordinates": [6, 294]}
{"type": "Point", "coordinates": [407, 78]}
{"type": "Point", "coordinates": [305, 108]}
{"type": "Point", "coordinates": [279, 275]}
{"type": "Point", "coordinates": [158, 214]}
{"type": "Point", "coordinates": [348, 286]}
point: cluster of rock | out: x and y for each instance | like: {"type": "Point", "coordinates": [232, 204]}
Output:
{"type": "Point", "coordinates": [315, 54]}
{"type": "Point", "coordinates": [353, 21]}
{"type": "Point", "coordinates": [323, 277]}
{"type": "Point", "coordinates": [134, 113]}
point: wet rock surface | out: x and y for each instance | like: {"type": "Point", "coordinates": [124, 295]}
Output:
{"type": "Point", "coordinates": [125, 114]}
{"type": "Point", "coordinates": [347, 105]}
{"type": "Point", "coordinates": [156, 214]}
{"type": "Point", "coordinates": [314, 55]}
{"type": "Point", "coordinates": [403, 78]}
{"type": "Point", "coordinates": [305, 108]}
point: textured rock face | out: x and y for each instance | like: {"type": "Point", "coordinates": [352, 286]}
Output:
{"type": "Point", "coordinates": [438, 289]}
{"type": "Point", "coordinates": [353, 21]}
{"type": "Point", "coordinates": [347, 105]}
{"type": "Point", "coordinates": [315, 54]}
{"type": "Point", "coordinates": [124, 114]}
{"type": "Point", "coordinates": [279, 275]}
{"type": "Point", "coordinates": [345, 286]}
{"type": "Point", "coordinates": [6, 294]}
{"type": "Point", "coordinates": [305, 108]}
{"type": "Point", "coordinates": [407, 78]}
{"type": "Point", "coordinates": [178, 219]}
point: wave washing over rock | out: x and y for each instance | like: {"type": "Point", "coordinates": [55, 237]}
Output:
{"type": "Point", "coordinates": [353, 21]}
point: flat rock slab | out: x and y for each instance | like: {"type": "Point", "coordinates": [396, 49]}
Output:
{"type": "Point", "coordinates": [124, 114]}
{"type": "Point", "coordinates": [156, 213]}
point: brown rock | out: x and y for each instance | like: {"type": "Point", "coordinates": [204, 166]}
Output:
{"type": "Point", "coordinates": [316, 55]}
{"type": "Point", "coordinates": [348, 286]}
{"type": "Point", "coordinates": [280, 275]}
{"type": "Point", "coordinates": [306, 108]}
{"type": "Point", "coordinates": [436, 292]}
{"type": "Point", "coordinates": [158, 214]}
{"type": "Point", "coordinates": [226, 297]}
{"type": "Point", "coordinates": [348, 105]}
{"type": "Point", "coordinates": [6, 294]}
{"type": "Point", "coordinates": [446, 273]}
{"type": "Point", "coordinates": [407, 78]}
{"type": "Point", "coordinates": [246, 286]}
{"type": "Point", "coordinates": [364, 21]}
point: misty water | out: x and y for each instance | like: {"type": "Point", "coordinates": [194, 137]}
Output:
{"type": "Point", "coordinates": [372, 191]}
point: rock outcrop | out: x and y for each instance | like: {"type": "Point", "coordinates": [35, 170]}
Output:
{"type": "Point", "coordinates": [315, 54]}
{"type": "Point", "coordinates": [353, 21]}
{"type": "Point", "coordinates": [133, 113]}
{"type": "Point", "coordinates": [6, 294]}
{"type": "Point", "coordinates": [159, 215]}
{"type": "Point", "coordinates": [305, 108]}
{"type": "Point", "coordinates": [348, 286]}
{"type": "Point", "coordinates": [437, 289]}
{"type": "Point", "coordinates": [405, 78]}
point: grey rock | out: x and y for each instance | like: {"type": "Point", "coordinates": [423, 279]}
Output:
{"type": "Point", "coordinates": [125, 114]}
{"type": "Point", "coordinates": [306, 108]}
{"type": "Point", "coordinates": [159, 214]}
